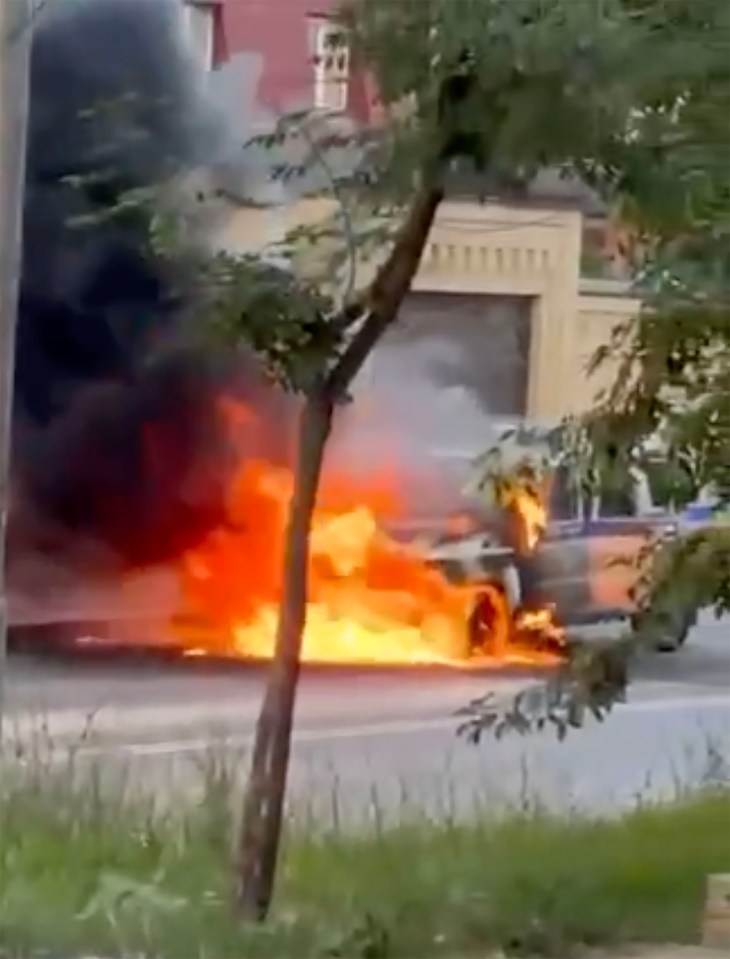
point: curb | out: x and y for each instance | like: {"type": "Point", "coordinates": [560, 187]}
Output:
{"type": "Point", "coordinates": [716, 919]}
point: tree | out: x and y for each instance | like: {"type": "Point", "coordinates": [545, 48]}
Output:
{"type": "Point", "coordinates": [500, 88]}
{"type": "Point", "coordinates": [666, 179]}
{"type": "Point", "coordinates": [673, 359]}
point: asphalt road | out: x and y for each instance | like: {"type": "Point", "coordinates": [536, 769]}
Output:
{"type": "Point", "coordinates": [366, 743]}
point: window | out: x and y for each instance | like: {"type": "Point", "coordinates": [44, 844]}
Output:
{"type": "Point", "coordinates": [331, 67]}
{"type": "Point", "coordinates": [564, 497]}
{"type": "Point", "coordinates": [198, 26]}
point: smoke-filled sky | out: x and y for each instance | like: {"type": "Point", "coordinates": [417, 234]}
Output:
{"type": "Point", "coordinates": [115, 437]}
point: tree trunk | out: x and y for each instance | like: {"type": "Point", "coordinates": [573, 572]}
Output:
{"type": "Point", "coordinates": [392, 282]}
{"type": "Point", "coordinates": [264, 803]}
{"type": "Point", "coordinates": [263, 807]}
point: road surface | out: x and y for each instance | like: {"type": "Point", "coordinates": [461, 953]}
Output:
{"type": "Point", "coordinates": [369, 742]}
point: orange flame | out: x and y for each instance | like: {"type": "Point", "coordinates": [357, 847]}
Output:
{"type": "Point", "coordinates": [541, 623]}
{"type": "Point", "coordinates": [528, 503]}
{"type": "Point", "coordinates": [370, 600]}
{"type": "Point", "coordinates": [532, 515]}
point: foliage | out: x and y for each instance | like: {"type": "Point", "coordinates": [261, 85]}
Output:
{"type": "Point", "coordinates": [516, 73]}
{"type": "Point", "coordinates": [673, 360]}
{"type": "Point", "coordinates": [591, 682]}
{"type": "Point", "coordinates": [694, 571]}
{"type": "Point", "coordinates": [672, 482]}
{"type": "Point", "coordinates": [287, 324]}
{"type": "Point", "coordinates": [666, 175]}
{"type": "Point", "coordinates": [519, 461]}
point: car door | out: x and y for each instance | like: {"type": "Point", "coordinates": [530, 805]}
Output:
{"type": "Point", "coordinates": [563, 557]}
{"type": "Point", "coordinates": [616, 545]}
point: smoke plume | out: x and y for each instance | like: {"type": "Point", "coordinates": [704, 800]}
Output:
{"type": "Point", "coordinates": [118, 452]}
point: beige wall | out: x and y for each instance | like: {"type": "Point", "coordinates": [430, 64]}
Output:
{"type": "Point", "coordinates": [496, 249]}
{"type": "Point", "coordinates": [602, 305]}
{"type": "Point", "coordinates": [503, 250]}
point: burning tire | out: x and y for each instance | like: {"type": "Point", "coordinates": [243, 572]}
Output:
{"type": "Point", "coordinates": [490, 624]}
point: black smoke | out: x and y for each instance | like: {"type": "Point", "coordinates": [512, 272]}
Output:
{"type": "Point", "coordinates": [117, 441]}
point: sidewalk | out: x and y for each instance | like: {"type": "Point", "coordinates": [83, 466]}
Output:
{"type": "Point", "coordinates": [659, 952]}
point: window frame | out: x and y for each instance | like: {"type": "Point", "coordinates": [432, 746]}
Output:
{"type": "Point", "coordinates": [191, 10]}
{"type": "Point", "coordinates": [328, 79]}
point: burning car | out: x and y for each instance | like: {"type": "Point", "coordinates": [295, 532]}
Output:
{"type": "Point", "coordinates": [383, 588]}
{"type": "Point", "coordinates": [119, 462]}
{"type": "Point", "coordinates": [560, 560]}
{"type": "Point", "coordinates": [378, 595]}
{"type": "Point", "coordinates": [495, 585]}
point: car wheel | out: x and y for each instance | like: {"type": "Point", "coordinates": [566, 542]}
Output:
{"type": "Point", "coordinates": [677, 633]}
{"type": "Point", "coordinates": [671, 628]}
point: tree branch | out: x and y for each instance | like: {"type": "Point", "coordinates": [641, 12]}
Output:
{"type": "Point", "coordinates": [391, 284]}
{"type": "Point", "coordinates": [345, 216]}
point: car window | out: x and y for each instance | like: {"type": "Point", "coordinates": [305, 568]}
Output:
{"type": "Point", "coordinates": [627, 495]}
{"type": "Point", "coordinates": [616, 503]}
{"type": "Point", "coordinates": [563, 497]}
{"type": "Point", "coordinates": [617, 494]}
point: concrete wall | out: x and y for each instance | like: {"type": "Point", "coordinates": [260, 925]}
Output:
{"type": "Point", "coordinates": [602, 305]}
{"type": "Point", "coordinates": [508, 251]}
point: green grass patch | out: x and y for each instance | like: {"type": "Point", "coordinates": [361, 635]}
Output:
{"type": "Point", "coordinates": [89, 873]}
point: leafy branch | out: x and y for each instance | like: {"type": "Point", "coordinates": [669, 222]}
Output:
{"type": "Point", "coordinates": [592, 681]}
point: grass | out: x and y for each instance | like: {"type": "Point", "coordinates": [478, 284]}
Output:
{"type": "Point", "coordinates": [89, 872]}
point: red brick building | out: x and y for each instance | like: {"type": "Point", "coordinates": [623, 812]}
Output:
{"type": "Point", "coordinates": [289, 38]}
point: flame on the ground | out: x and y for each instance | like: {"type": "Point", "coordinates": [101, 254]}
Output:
{"type": "Point", "coordinates": [370, 599]}
{"type": "Point", "coordinates": [541, 622]}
